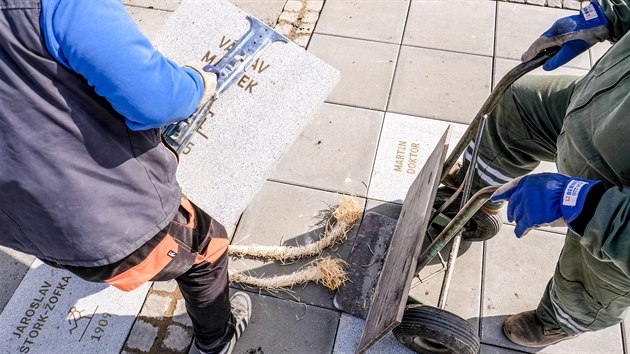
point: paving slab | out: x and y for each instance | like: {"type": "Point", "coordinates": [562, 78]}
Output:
{"type": "Point", "coordinates": [267, 11]}
{"type": "Point", "coordinates": [366, 69]}
{"type": "Point", "coordinates": [516, 274]}
{"type": "Point", "coordinates": [282, 326]}
{"type": "Point", "coordinates": [439, 84]}
{"type": "Point", "coordinates": [464, 296]}
{"type": "Point", "coordinates": [365, 19]}
{"type": "Point", "coordinates": [349, 333]}
{"type": "Point", "coordinates": [282, 214]}
{"type": "Point", "coordinates": [148, 20]}
{"type": "Point", "coordinates": [406, 143]}
{"type": "Point", "coordinates": [335, 152]}
{"type": "Point", "coordinates": [518, 26]}
{"type": "Point", "coordinates": [54, 311]}
{"type": "Point", "coordinates": [14, 265]}
{"type": "Point", "coordinates": [460, 26]}
{"type": "Point", "coordinates": [253, 123]}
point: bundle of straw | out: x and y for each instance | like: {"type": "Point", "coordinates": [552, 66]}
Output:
{"type": "Point", "coordinates": [327, 271]}
{"type": "Point", "coordinates": [345, 217]}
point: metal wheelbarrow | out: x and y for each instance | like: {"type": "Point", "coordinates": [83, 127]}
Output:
{"type": "Point", "coordinates": [386, 251]}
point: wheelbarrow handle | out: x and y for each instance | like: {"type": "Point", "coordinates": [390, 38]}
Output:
{"type": "Point", "coordinates": [491, 102]}
{"type": "Point", "coordinates": [457, 223]}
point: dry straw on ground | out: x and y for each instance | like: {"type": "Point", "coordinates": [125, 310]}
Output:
{"type": "Point", "coordinates": [327, 271]}
{"type": "Point", "coordinates": [345, 217]}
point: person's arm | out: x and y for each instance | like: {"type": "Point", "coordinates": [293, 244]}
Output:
{"type": "Point", "coordinates": [618, 15]}
{"type": "Point", "coordinates": [101, 42]}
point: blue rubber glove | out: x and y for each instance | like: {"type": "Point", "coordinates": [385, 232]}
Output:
{"type": "Point", "coordinates": [544, 199]}
{"type": "Point", "coordinates": [575, 34]}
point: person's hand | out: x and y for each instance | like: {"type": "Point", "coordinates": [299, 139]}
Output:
{"type": "Point", "coordinates": [209, 75]}
{"type": "Point", "coordinates": [574, 34]}
{"type": "Point", "coordinates": [543, 199]}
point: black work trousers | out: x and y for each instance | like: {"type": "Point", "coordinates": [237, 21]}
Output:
{"type": "Point", "coordinates": [192, 249]}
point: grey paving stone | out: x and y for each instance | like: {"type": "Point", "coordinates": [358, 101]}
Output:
{"type": "Point", "coordinates": [324, 157]}
{"type": "Point", "coordinates": [281, 326]}
{"type": "Point", "coordinates": [14, 266]}
{"type": "Point", "coordinates": [349, 334]}
{"type": "Point", "coordinates": [465, 288]}
{"type": "Point", "coordinates": [373, 20]}
{"type": "Point", "coordinates": [517, 271]}
{"type": "Point", "coordinates": [177, 338]}
{"type": "Point", "coordinates": [366, 69]}
{"type": "Point", "coordinates": [438, 84]}
{"type": "Point", "coordinates": [250, 126]}
{"type": "Point", "coordinates": [148, 20]}
{"type": "Point", "coordinates": [54, 311]}
{"type": "Point", "coordinates": [461, 26]}
{"type": "Point", "coordinates": [267, 11]}
{"type": "Point", "coordinates": [142, 336]}
{"type": "Point", "coordinates": [180, 315]}
{"type": "Point", "coordinates": [405, 144]}
{"type": "Point", "coordinates": [155, 306]}
{"type": "Point", "coordinates": [288, 215]}
{"type": "Point", "coordinates": [166, 286]}
{"type": "Point", "coordinates": [518, 26]}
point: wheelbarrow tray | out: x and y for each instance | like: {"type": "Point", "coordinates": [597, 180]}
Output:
{"type": "Point", "coordinates": [383, 258]}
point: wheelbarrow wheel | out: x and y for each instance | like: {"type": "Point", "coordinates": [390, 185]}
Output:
{"type": "Point", "coordinates": [430, 330]}
{"type": "Point", "coordinates": [481, 227]}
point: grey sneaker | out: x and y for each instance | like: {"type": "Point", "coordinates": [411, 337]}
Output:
{"type": "Point", "coordinates": [241, 311]}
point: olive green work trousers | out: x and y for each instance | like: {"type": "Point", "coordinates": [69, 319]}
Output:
{"type": "Point", "coordinates": [585, 294]}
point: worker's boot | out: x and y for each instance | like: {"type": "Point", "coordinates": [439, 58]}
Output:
{"type": "Point", "coordinates": [241, 311]}
{"type": "Point", "coordinates": [526, 329]}
{"type": "Point", "coordinates": [484, 224]}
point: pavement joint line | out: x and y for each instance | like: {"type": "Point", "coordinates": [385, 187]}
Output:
{"type": "Point", "coordinates": [321, 189]}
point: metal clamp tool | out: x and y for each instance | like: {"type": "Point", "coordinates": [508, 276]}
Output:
{"type": "Point", "coordinates": [229, 70]}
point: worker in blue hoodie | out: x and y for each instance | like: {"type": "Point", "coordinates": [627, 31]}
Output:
{"type": "Point", "coordinates": [86, 183]}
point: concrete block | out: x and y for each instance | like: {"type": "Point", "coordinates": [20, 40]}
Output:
{"type": "Point", "coordinates": [308, 162]}
{"type": "Point", "coordinates": [177, 338]}
{"type": "Point", "coordinates": [14, 266]}
{"type": "Point", "coordinates": [439, 84]}
{"type": "Point", "coordinates": [166, 286]}
{"type": "Point", "coordinates": [180, 315]}
{"type": "Point", "coordinates": [54, 311]}
{"type": "Point", "coordinates": [373, 20]}
{"type": "Point", "coordinates": [367, 69]}
{"type": "Point", "coordinates": [148, 20]}
{"type": "Point", "coordinates": [142, 336]}
{"type": "Point", "coordinates": [449, 26]}
{"type": "Point", "coordinates": [155, 306]}
{"type": "Point", "coordinates": [253, 123]}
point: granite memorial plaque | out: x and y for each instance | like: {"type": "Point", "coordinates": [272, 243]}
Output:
{"type": "Point", "coordinates": [54, 311]}
{"type": "Point", "coordinates": [406, 143]}
{"type": "Point", "coordinates": [254, 122]}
